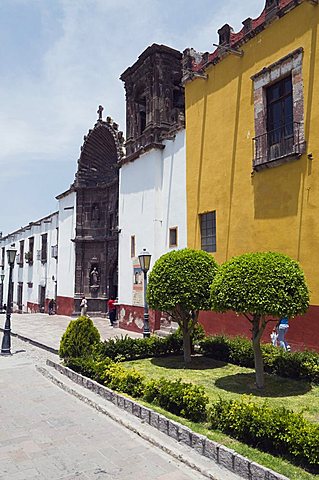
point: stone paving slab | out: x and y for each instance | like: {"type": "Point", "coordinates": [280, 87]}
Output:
{"type": "Point", "coordinates": [47, 434]}
{"type": "Point", "coordinates": [48, 329]}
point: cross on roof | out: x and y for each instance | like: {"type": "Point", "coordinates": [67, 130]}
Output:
{"type": "Point", "coordinates": [99, 111]}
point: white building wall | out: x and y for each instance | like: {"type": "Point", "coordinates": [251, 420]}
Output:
{"type": "Point", "coordinates": [32, 275]}
{"type": "Point", "coordinates": [152, 199]}
{"type": "Point", "coordinates": [66, 250]}
{"type": "Point", "coordinates": [57, 274]}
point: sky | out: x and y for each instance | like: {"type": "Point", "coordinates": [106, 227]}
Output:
{"type": "Point", "coordinates": [60, 59]}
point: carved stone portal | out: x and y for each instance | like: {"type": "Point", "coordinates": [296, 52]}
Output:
{"type": "Point", "coordinates": [96, 240]}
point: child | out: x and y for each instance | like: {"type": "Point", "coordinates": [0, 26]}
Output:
{"type": "Point", "coordinates": [274, 337]}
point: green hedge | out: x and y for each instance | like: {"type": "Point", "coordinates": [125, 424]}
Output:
{"type": "Point", "coordinates": [183, 399]}
{"type": "Point", "coordinates": [88, 366]}
{"type": "Point", "coordinates": [177, 397]}
{"type": "Point", "coordinates": [278, 431]}
{"type": "Point", "coordinates": [238, 350]}
{"type": "Point", "coordinates": [126, 348]}
{"type": "Point", "coordinates": [124, 380]}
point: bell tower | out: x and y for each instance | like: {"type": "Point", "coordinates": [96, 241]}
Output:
{"type": "Point", "coordinates": [154, 99]}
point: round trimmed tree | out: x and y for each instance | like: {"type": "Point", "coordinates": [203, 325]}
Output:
{"type": "Point", "coordinates": [260, 286]}
{"type": "Point", "coordinates": [179, 284]}
{"type": "Point", "coordinates": [79, 338]}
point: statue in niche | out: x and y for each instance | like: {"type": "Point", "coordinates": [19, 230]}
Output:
{"type": "Point", "coordinates": [94, 278]}
{"type": "Point", "coordinates": [95, 214]}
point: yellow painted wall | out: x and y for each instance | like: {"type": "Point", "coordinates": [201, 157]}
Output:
{"type": "Point", "coordinates": [275, 209]}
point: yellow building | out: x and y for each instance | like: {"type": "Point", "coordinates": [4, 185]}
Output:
{"type": "Point", "coordinates": [252, 139]}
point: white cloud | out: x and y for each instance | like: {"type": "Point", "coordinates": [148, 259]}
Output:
{"type": "Point", "coordinates": [48, 106]}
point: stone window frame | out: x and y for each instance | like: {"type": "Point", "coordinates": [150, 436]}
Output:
{"type": "Point", "coordinates": [291, 64]}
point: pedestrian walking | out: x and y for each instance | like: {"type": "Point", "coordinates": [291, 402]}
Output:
{"type": "Point", "coordinates": [282, 328]}
{"type": "Point", "coordinates": [84, 306]}
{"type": "Point", "coordinates": [111, 307]}
{"type": "Point", "coordinates": [51, 306]}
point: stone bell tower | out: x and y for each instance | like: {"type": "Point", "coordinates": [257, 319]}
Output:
{"type": "Point", "coordinates": [154, 99]}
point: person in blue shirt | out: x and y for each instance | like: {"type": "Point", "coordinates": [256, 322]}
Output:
{"type": "Point", "coordinates": [282, 328]}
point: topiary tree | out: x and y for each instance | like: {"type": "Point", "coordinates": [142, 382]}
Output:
{"type": "Point", "coordinates": [259, 286]}
{"type": "Point", "coordinates": [79, 338]}
{"type": "Point", "coordinates": [179, 284]}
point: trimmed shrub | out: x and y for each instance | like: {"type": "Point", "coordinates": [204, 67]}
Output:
{"type": "Point", "coordinates": [184, 399]}
{"type": "Point", "coordinates": [296, 364]}
{"type": "Point", "coordinates": [121, 379]}
{"type": "Point", "coordinates": [241, 352]}
{"type": "Point", "coordinates": [279, 431]}
{"type": "Point", "coordinates": [126, 348]}
{"type": "Point", "coordinates": [238, 350]}
{"type": "Point", "coordinates": [89, 367]}
{"type": "Point", "coordinates": [217, 347]}
{"type": "Point", "coordinates": [79, 338]}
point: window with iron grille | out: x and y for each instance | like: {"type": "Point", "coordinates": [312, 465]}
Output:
{"type": "Point", "coordinates": [44, 247]}
{"type": "Point", "coordinates": [279, 112]}
{"type": "Point", "coordinates": [208, 231]}
{"type": "Point", "coordinates": [29, 254]}
{"type": "Point", "coordinates": [21, 253]}
{"type": "Point", "coordinates": [280, 126]}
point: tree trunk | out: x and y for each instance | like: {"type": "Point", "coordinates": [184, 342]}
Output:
{"type": "Point", "coordinates": [259, 363]}
{"type": "Point", "coordinates": [186, 342]}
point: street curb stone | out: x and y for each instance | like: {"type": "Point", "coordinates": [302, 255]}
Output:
{"type": "Point", "coordinates": [33, 342]}
{"type": "Point", "coordinates": [241, 465]}
{"type": "Point", "coordinates": [220, 454]}
{"type": "Point", "coordinates": [226, 457]}
{"type": "Point", "coordinates": [197, 442]}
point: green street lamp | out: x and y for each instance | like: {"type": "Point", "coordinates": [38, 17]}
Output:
{"type": "Point", "coordinates": [145, 261]}
{"type": "Point", "coordinates": [6, 340]}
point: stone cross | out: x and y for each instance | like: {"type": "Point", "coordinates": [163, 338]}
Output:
{"type": "Point", "coordinates": [99, 111]}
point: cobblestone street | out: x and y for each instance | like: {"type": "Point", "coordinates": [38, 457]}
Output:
{"type": "Point", "coordinates": [48, 434]}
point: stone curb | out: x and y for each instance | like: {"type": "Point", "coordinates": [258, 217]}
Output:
{"type": "Point", "coordinates": [34, 342]}
{"type": "Point", "coordinates": [220, 454]}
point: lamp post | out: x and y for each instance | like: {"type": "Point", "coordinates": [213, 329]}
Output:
{"type": "Point", "coordinates": [145, 261]}
{"type": "Point", "coordinates": [1, 298]}
{"type": "Point", "coordinates": [6, 340]}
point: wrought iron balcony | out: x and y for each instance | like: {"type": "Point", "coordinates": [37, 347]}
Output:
{"type": "Point", "coordinates": [277, 144]}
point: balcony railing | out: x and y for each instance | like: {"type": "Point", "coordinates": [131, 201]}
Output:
{"type": "Point", "coordinates": [278, 143]}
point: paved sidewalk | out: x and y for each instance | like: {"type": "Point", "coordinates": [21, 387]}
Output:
{"type": "Point", "coordinates": [48, 329]}
{"type": "Point", "coordinates": [47, 434]}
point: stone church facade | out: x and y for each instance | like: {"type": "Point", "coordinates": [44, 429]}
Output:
{"type": "Point", "coordinates": [96, 235]}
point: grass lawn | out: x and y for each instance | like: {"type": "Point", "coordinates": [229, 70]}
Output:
{"type": "Point", "coordinates": [230, 381]}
